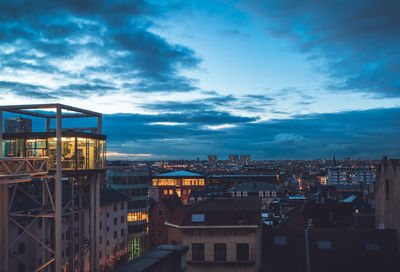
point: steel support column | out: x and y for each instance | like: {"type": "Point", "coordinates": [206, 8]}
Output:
{"type": "Point", "coordinates": [3, 211]}
{"type": "Point", "coordinates": [94, 222]}
{"type": "Point", "coordinates": [58, 195]}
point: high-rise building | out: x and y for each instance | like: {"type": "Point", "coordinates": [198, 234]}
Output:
{"type": "Point", "coordinates": [134, 184]}
{"type": "Point", "coordinates": [18, 125]}
{"type": "Point", "coordinates": [233, 158]}
{"type": "Point", "coordinates": [245, 157]}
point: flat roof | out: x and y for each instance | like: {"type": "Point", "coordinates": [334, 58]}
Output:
{"type": "Point", "coordinates": [179, 174]}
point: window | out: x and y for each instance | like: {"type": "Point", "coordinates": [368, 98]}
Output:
{"type": "Point", "coordinates": [21, 248]}
{"type": "Point", "coordinates": [100, 254]}
{"type": "Point", "coordinates": [108, 243]}
{"type": "Point", "coordinates": [115, 207]}
{"type": "Point", "coordinates": [238, 193]}
{"type": "Point", "coordinates": [122, 219]}
{"type": "Point", "coordinates": [171, 192]}
{"type": "Point", "coordinates": [100, 225]}
{"type": "Point", "coordinates": [198, 218]}
{"type": "Point", "coordinates": [122, 232]}
{"type": "Point", "coordinates": [197, 252]}
{"type": "Point", "coordinates": [242, 252]}
{"type": "Point", "coordinates": [122, 206]}
{"type": "Point", "coordinates": [108, 215]}
{"type": "Point", "coordinates": [165, 192]}
{"type": "Point", "coordinates": [324, 244]}
{"type": "Point", "coordinates": [219, 252]}
{"type": "Point", "coordinates": [115, 234]}
{"type": "Point", "coordinates": [280, 240]}
{"type": "Point", "coordinates": [267, 194]}
{"type": "Point", "coordinates": [159, 212]}
{"type": "Point", "coordinates": [108, 228]}
{"type": "Point", "coordinates": [160, 234]}
{"type": "Point", "coordinates": [115, 221]}
{"type": "Point", "coordinates": [261, 194]}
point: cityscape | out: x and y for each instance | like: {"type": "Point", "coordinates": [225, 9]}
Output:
{"type": "Point", "coordinates": [191, 136]}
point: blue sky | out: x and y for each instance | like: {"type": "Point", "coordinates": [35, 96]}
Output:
{"type": "Point", "coordinates": [183, 79]}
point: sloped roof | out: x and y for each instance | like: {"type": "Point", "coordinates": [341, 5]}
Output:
{"type": "Point", "coordinates": [179, 174]}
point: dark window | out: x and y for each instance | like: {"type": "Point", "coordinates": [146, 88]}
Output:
{"type": "Point", "coordinates": [159, 212]}
{"type": "Point", "coordinates": [108, 228]}
{"type": "Point", "coordinates": [387, 189]}
{"type": "Point", "coordinates": [100, 225]}
{"type": "Point", "coordinates": [219, 252]}
{"type": "Point", "coordinates": [115, 235]}
{"type": "Point", "coordinates": [160, 234]}
{"type": "Point", "coordinates": [101, 240]}
{"type": "Point", "coordinates": [40, 261]}
{"type": "Point", "coordinates": [40, 224]}
{"type": "Point", "coordinates": [100, 254]}
{"type": "Point", "coordinates": [122, 219]}
{"type": "Point", "coordinates": [108, 214]}
{"type": "Point", "coordinates": [21, 267]}
{"type": "Point", "coordinates": [62, 236]}
{"type": "Point", "coordinates": [197, 252]}
{"type": "Point", "coordinates": [115, 207]}
{"type": "Point", "coordinates": [108, 243]}
{"type": "Point", "coordinates": [115, 221]}
{"type": "Point", "coordinates": [21, 248]}
{"type": "Point", "coordinates": [242, 252]}
{"type": "Point", "coordinates": [122, 206]}
{"type": "Point", "coordinates": [122, 232]}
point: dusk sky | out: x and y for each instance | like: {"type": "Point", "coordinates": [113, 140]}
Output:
{"type": "Point", "coordinates": [183, 79]}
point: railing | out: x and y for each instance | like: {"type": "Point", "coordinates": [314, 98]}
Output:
{"type": "Point", "coordinates": [15, 169]}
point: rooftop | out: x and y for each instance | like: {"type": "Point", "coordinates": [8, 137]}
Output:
{"type": "Point", "coordinates": [254, 187]}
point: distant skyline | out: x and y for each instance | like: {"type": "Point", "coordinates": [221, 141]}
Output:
{"type": "Point", "coordinates": [184, 79]}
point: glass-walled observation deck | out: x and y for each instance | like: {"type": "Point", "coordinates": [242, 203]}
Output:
{"type": "Point", "coordinates": [79, 150]}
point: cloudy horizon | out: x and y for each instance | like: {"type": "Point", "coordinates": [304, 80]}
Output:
{"type": "Point", "coordinates": [184, 79]}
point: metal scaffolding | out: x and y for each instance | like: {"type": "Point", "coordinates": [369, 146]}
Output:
{"type": "Point", "coordinates": [64, 197]}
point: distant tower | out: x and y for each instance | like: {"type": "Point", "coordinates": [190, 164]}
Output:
{"type": "Point", "coordinates": [334, 160]}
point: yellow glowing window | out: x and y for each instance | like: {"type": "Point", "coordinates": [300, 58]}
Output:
{"type": "Point", "coordinates": [171, 192]}
{"type": "Point", "coordinates": [165, 192]}
{"type": "Point", "coordinates": [137, 216]}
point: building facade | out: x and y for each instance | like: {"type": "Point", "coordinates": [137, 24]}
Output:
{"type": "Point", "coordinates": [349, 175]}
{"type": "Point", "coordinates": [134, 184]}
{"type": "Point", "coordinates": [387, 195]}
{"type": "Point", "coordinates": [223, 234]}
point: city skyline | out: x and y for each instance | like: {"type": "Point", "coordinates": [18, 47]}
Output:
{"type": "Point", "coordinates": [287, 80]}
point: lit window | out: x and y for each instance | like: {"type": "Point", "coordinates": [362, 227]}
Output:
{"type": "Point", "coordinates": [324, 244]}
{"type": "Point", "coordinates": [171, 192]}
{"type": "Point", "coordinates": [137, 216]}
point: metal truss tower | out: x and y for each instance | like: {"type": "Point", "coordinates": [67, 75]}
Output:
{"type": "Point", "coordinates": [67, 165]}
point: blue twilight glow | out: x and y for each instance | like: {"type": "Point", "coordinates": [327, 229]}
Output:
{"type": "Point", "coordinates": [181, 79]}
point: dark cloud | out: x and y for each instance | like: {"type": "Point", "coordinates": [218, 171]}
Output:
{"type": "Point", "coordinates": [365, 134]}
{"type": "Point", "coordinates": [26, 90]}
{"type": "Point", "coordinates": [354, 42]}
{"type": "Point", "coordinates": [109, 38]}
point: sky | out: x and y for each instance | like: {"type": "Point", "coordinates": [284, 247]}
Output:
{"type": "Point", "coordinates": [290, 79]}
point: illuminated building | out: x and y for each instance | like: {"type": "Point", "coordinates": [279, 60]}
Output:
{"type": "Point", "coordinates": [18, 125]}
{"type": "Point", "coordinates": [179, 183]}
{"type": "Point", "coordinates": [134, 184]}
{"type": "Point", "coordinates": [74, 159]}
{"type": "Point", "coordinates": [348, 175]}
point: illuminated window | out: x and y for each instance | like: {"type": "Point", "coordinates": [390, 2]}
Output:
{"type": "Point", "coordinates": [165, 192]}
{"type": "Point", "coordinates": [171, 192]}
{"type": "Point", "coordinates": [137, 216]}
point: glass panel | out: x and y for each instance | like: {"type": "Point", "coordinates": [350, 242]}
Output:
{"type": "Point", "coordinates": [35, 148]}
{"type": "Point", "coordinates": [9, 148]}
{"type": "Point", "coordinates": [82, 153]}
{"type": "Point", "coordinates": [68, 152]}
